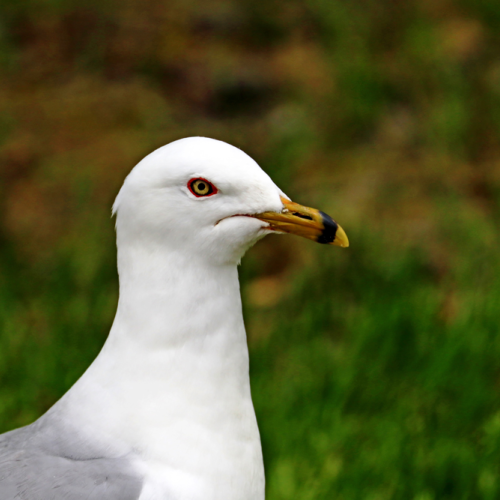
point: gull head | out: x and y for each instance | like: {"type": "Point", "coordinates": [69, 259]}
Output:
{"type": "Point", "coordinates": [209, 200]}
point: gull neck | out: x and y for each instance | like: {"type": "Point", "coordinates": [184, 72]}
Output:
{"type": "Point", "coordinates": [169, 299]}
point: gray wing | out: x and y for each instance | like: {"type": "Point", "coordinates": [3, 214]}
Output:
{"type": "Point", "coordinates": [28, 476]}
{"type": "Point", "coordinates": [27, 472]}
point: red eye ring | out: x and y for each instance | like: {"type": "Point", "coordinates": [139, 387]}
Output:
{"type": "Point", "coordinates": [200, 187]}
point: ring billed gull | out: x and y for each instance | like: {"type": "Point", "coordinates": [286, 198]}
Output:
{"type": "Point", "coordinates": [165, 411]}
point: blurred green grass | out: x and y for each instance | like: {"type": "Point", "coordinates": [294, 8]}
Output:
{"type": "Point", "coordinates": [375, 370]}
{"type": "Point", "coordinates": [368, 389]}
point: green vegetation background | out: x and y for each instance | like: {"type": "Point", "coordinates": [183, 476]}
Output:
{"type": "Point", "coordinates": [376, 369]}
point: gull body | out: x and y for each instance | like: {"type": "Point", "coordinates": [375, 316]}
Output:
{"type": "Point", "coordinates": [165, 411]}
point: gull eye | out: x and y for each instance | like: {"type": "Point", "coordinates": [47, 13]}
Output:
{"type": "Point", "coordinates": [201, 187]}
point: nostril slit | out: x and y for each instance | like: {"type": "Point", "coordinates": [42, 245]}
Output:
{"type": "Point", "coordinates": [302, 216]}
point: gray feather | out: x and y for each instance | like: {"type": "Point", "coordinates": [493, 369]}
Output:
{"type": "Point", "coordinates": [48, 461]}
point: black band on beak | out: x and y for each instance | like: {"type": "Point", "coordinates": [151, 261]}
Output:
{"type": "Point", "coordinates": [328, 234]}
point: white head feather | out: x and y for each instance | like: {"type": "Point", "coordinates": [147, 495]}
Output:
{"type": "Point", "coordinates": [156, 207]}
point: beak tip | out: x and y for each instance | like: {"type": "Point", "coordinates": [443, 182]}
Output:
{"type": "Point", "coordinates": [341, 239]}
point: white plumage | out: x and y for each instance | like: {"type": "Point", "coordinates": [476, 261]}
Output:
{"type": "Point", "coordinates": [165, 411]}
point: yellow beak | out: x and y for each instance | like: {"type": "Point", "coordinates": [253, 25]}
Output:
{"type": "Point", "coordinates": [307, 222]}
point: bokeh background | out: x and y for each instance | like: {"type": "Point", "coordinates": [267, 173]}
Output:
{"type": "Point", "coordinates": [376, 369]}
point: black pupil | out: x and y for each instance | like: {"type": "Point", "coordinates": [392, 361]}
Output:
{"type": "Point", "coordinates": [201, 186]}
